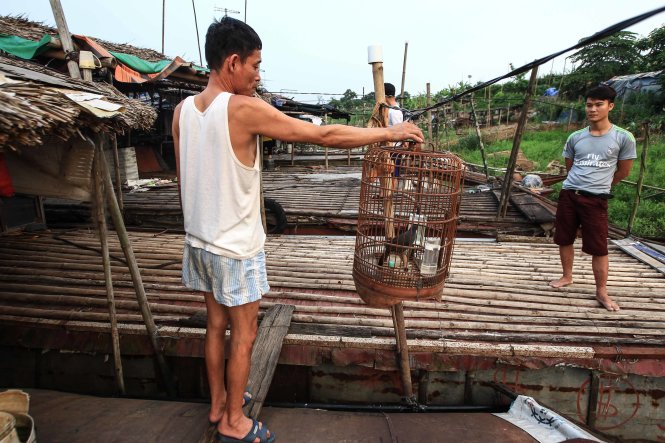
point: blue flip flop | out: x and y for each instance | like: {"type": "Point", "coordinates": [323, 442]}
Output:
{"type": "Point", "coordinates": [257, 431]}
{"type": "Point", "coordinates": [246, 398]}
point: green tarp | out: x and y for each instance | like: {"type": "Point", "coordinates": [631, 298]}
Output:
{"type": "Point", "coordinates": [146, 67]}
{"type": "Point", "coordinates": [28, 49]}
{"type": "Point", "coordinates": [140, 65]}
{"type": "Point", "coordinates": [23, 48]}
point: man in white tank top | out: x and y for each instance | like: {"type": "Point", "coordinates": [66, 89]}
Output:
{"type": "Point", "coordinates": [216, 142]}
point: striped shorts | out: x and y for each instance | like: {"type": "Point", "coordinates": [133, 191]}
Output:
{"type": "Point", "coordinates": [232, 282]}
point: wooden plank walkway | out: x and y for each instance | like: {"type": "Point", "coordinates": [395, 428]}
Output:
{"type": "Point", "coordinates": [73, 418]}
{"type": "Point", "coordinates": [497, 292]}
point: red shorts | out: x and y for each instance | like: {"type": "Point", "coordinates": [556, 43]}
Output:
{"type": "Point", "coordinates": [590, 213]}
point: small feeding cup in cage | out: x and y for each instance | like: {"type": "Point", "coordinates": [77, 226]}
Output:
{"type": "Point", "coordinates": [407, 219]}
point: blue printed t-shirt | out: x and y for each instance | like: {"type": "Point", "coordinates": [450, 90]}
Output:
{"type": "Point", "coordinates": [595, 158]}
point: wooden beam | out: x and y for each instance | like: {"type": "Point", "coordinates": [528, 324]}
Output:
{"type": "Point", "coordinates": [65, 37]}
{"type": "Point", "coordinates": [116, 169]}
{"type": "Point", "coordinates": [521, 125]}
{"type": "Point", "coordinates": [480, 139]}
{"type": "Point", "coordinates": [267, 347]}
{"type": "Point", "coordinates": [403, 353]}
{"type": "Point", "coordinates": [429, 114]}
{"type": "Point", "coordinates": [100, 219]}
{"type": "Point", "coordinates": [135, 273]}
{"type": "Point", "coordinates": [640, 179]}
{"type": "Point", "coordinates": [406, 48]}
{"type": "Point", "coordinates": [592, 405]}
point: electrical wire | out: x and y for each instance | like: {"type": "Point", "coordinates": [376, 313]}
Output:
{"type": "Point", "coordinates": [600, 35]}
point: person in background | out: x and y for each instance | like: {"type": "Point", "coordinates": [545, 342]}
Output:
{"type": "Point", "coordinates": [395, 116]}
{"type": "Point", "coordinates": [597, 157]}
{"type": "Point", "coordinates": [216, 135]}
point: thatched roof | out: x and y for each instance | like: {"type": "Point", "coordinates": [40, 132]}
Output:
{"type": "Point", "coordinates": [33, 105]}
{"type": "Point", "coordinates": [24, 28]}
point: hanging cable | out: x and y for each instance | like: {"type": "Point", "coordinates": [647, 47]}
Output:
{"type": "Point", "coordinates": [600, 35]}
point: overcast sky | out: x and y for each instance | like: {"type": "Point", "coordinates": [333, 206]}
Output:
{"type": "Point", "coordinates": [321, 46]}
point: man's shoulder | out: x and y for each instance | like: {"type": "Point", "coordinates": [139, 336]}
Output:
{"type": "Point", "coordinates": [624, 133]}
{"type": "Point", "coordinates": [237, 100]}
{"type": "Point", "coordinates": [577, 135]}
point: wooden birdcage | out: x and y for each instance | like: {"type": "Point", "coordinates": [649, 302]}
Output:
{"type": "Point", "coordinates": [409, 206]}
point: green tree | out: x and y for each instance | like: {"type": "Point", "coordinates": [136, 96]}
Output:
{"type": "Point", "coordinates": [602, 60]}
{"type": "Point", "coordinates": [653, 47]}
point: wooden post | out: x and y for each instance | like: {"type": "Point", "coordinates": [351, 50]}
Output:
{"type": "Point", "coordinates": [262, 203]}
{"type": "Point", "coordinates": [116, 169]}
{"type": "Point", "coordinates": [65, 37]}
{"type": "Point", "coordinates": [377, 74]}
{"type": "Point", "coordinates": [398, 309]}
{"type": "Point", "coordinates": [121, 231]}
{"type": "Point", "coordinates": [163, 22]}
{"type": "Point", "coordinates": [406, 48]}
{"type": "Point", "coordinates": [293, 153]}
{"type": "Point", "coordinates": [592, 408]}
{"type": "Point", "coordinates": [196, 26]}
{"type": "Point", "coordinates": [429, 115]}
{"type": "Point", "coordinates": [638, 189]}
{"type": "Point", "coordinates": [480, 139]}
{"type": "Point", "coordinates": [403, 351]}
{"type": "Point", "coordinates": [489, 107]}
{"type": "Point", "coordinates": [570, 118]}
{"type": "Point", "coordinates": [325, 120]}
{"type": "Point", "coordinates": [87, 74]}
{"type": "Point", "coordinates": [517, 139]}
{"type": "Point", "coordinates": [100, 221]}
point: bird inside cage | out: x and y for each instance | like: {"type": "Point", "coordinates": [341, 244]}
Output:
{"type": "Point", "coordinates": [403, 244]}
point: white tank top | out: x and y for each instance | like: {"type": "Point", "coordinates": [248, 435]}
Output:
{"type": "Point", "coordinates": [220, 195]}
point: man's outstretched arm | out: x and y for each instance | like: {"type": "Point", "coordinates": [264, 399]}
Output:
{"type": "Point", "coordinates": [260, 118]}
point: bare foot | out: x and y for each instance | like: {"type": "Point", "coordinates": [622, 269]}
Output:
{"type": "Point", "coordinates": [560, 283]}
{"type": "Point", "coordinates": [606, 301]}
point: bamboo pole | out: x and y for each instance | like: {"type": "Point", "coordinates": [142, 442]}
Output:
{"type": "Point", "coordinates": [489, 107]}
{"type": "Point", "coordinates": [98, 188]}
{"type": "Point", "coordinates": [377, 76]}
{"type": "Point", "coordinates": [396, 310]}
{"type": "Point", "coordinates": [116, 169]}
{"type": "Point", "coordinates": [261, 198]}
{"type": "Point", "coordinates": [570, 119]}
{"type": "Point", "coordinates": [325, 121]}
{"type": "Point", "coordinates": [403, 352]}
{"type": "Point", "coordinates": [121, 231]}
{"type": "Point", "coordinates": [406, 48]}
{"type": "Point", "coordinates": [480, 140]}
{"type": "Point", "coordinates": [163, 22]}
{"type": "Point", "coordinates": [640, 179]}
{"type": "Point", "coordinates": [65, 37]}
{"type": "Point", "coordinates": [196, 26]}
{"type": "Point", "coordinates": [517, 139]}
{"type": "Point", "coordinates": [429, 114]}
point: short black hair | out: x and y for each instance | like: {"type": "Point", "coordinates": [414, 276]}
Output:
{"type": "Point", "coordinates": [389, 89]}
{"type": "Point", "coordinates": [229, 36]}
{"type": "Point", "coordinates": [601, 92]}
